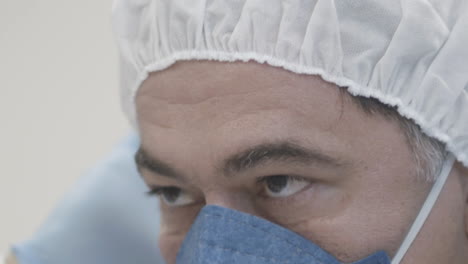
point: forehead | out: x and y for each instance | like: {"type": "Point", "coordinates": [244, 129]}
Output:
{"type": "Point", "coordinates": [204, 110]}
{"type": "Point", "coordinates": [192, 81]}
{"type": "Point", "coordinates": [239, 87]}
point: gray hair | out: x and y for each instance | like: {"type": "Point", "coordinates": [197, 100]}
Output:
{"type": "Point", "coordinates": [429, 153]}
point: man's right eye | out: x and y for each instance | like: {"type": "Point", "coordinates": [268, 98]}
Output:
{"type": "Point", "coordinates": [172, 196]}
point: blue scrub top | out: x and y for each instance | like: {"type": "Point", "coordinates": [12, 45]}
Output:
{"type": "Point", "coordinates": [105, 218]}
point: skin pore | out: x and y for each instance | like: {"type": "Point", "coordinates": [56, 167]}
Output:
{"type": "Point", "coordinates": [287, 148]}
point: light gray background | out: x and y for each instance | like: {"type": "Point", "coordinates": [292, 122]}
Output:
{"type": "Point", "coordinates": [59, 106]}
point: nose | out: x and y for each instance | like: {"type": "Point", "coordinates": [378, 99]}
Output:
{"type": "Point", "coordinates": [232, 199]}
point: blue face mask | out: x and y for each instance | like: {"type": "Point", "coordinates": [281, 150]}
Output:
{"type": "Point", "coordinates": [222, 235]}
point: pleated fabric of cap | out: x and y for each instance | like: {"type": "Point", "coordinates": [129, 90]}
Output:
{"type": "Point", "coordinates": [412, 54]}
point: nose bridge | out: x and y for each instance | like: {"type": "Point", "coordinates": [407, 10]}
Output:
{"type": "Point", "coordinates": [231, 198]}
{"type": "Point", "coordinates": [217, 188]}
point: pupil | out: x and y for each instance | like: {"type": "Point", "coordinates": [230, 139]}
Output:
{"type": "Point", "coordinates": [277, 183]}
{"type": "Point", "coordinates": [171, 194]}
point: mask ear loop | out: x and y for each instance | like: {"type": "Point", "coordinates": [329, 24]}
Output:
{"type": "Point", "coordinates": [425, 209]}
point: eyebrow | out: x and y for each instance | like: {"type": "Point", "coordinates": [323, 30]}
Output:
{"type": "Point", "coordinates": [145, 161]}
{"type": "Point", "coordinates": [285, 151]}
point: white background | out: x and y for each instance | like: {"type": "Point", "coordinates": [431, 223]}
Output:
{"type": "Point", "coordinates": [59, 105]}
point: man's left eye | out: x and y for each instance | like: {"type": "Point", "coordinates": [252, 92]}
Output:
{"type": "Point", "coordinates": [283, 185]}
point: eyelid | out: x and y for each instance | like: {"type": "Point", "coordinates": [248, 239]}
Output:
{"type": "Point", "coordinates": [290, 176]}
{"type": "Point", "coordinates": [183, 198]}
{"type": "Point", "coordinates": [157, 190]}
{"type": "Point", "coordinates": [154, 192]}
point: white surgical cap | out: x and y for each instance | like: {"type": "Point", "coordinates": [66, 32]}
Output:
{"type": "Point", "coordinates": [412, 54]}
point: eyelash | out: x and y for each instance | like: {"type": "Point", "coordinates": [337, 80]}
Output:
{"type": "Point", "coordinates": [290, 177]}
{"type": "Point", "coordinates": [159, 190]}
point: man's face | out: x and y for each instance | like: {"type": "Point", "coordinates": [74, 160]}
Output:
{"type": "Point", "coordinates": [293, 150]}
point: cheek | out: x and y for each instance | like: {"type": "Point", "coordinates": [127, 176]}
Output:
{"type": "Point", "coordinates": [175, 223]}
{"type": "Point", "coordinates": [352, 223]}
{"type": "Point", "coordinates": [169, 246]}
{"type": "Point", "coordinates": [315, 202]}
{"type": "Point", "coordinates": [171, 236]}
{"type": "Point", "coordinates": [350, 237]}
{"type": "Point", "coordinates": [442, 238]}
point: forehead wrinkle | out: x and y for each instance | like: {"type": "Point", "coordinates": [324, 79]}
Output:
{"type": "Point", "coordinates": [178, 95]}
{"type": "Point", "coordinates": [214, 111]}
{"type": "Point", "coordinates": [233, 98]}
{"type": "Point", "coordinates": [191, 82]}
